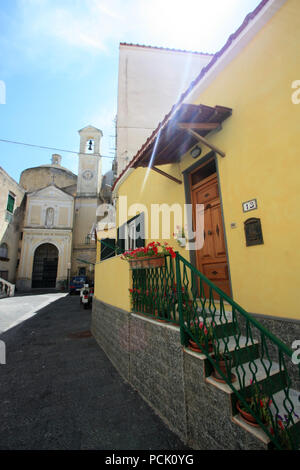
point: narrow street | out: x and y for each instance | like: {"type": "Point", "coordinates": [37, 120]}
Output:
{"type": "Point", "coordinates": [59, 391]}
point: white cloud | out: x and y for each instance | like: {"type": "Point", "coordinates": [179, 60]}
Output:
{"type": "Point", "coordinates": [87, 24]}
{"type": "Point", "coordinates": [93, 24]}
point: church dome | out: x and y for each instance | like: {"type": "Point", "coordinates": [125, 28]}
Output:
{"type": "Point", "coordinates": [41, 176]}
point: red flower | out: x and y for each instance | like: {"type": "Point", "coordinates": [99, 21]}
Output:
{"type": "Point", "coordinates": [281, 425]}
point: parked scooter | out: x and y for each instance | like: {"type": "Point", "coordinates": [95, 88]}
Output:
{"type": "Point", "coordinates": [86, 296]}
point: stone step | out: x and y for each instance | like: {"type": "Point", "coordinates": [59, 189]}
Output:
{"type": "Point", "coordinates": [279, 412]}
{"type": "Point", "coordinates": [274, 381]}
{"type": "Point", "coordinates": [258, 433]}
{"type": "Point", "coordinates": [244, 375]}
{"type": "Point", "coordinates": [217, 315]}
{"type": "Point", "coordinates": [240, 348]}
{"type": "Point", "coordinates": [287, 400]}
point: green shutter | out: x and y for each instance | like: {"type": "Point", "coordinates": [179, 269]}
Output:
{"type": "Point", "coordinates": [10, 204]}
{"type": "Point", "coordinates": [140, 231]}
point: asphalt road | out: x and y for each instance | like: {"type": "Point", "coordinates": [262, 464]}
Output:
{"type": "Point", "coordinates": [14, 310]}
{"type": "Point", "coordinates": [60, 392]}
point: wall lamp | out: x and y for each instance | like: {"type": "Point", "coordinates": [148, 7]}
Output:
{"type": "Point", "coordinates": [196, 152]}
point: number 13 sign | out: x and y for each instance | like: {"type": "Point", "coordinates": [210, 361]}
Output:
{"type": "Point", "coordinates": [250, 205]}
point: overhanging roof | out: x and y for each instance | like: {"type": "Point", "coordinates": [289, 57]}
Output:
{"type": "Point", "coordinates": [172, 140]}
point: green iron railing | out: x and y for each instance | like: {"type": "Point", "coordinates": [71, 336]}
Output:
{"type": "Point", "coordinates": [253, 362]}
{"type": "Point", "coordinates": [154, 292]}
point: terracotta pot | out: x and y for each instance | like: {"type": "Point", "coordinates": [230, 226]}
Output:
{"type": "Point", "coordinates": [245, 415]}
{"type": "Point", "coordinates": [194, 346]}
{"type": "Point", "coordinates": [147, 262]}
{"type": "Point", "coordinates": [135, 263]}
{"type": "Point", "coordinates": [218, 377]}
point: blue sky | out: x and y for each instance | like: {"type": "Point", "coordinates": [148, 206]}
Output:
{"type": "Point", "coordinates": [59, 63]}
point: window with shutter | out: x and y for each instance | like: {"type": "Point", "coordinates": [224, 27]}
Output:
{"type": "Point", "coordinates": [10, 203]}
{"type": "Point", "coordinates": [107, 248]}
{"type": "Point", "coordinates": [3, 251]}
{"type": "Point", "coordinates": [131, 235]}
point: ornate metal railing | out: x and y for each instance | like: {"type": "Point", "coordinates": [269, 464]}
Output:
{"type": "Point", "coordinates": [253, 362]}
{"type": "Point", "coordinates": [154, 292]}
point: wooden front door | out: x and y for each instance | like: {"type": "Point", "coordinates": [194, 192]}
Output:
{"type": "Point", "coordinates": [212, 258]}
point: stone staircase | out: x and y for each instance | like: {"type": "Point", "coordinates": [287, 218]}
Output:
{"type": "Point", "coordinates": [247, 363]}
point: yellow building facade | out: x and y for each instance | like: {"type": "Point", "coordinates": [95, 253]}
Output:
{"type": "Point", "coordinates": [253, 78]}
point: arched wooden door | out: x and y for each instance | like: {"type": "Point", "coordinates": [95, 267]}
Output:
{"type": "Point", "coordinates": [45, 264]}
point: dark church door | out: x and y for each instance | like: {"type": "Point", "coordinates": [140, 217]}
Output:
{"type": "Point", "coordinates": [45, 263]}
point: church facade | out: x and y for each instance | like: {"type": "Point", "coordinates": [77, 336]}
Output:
{"type": "Point", "coordinates": [58, 219]}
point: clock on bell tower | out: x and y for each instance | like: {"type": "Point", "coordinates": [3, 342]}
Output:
{"type": "Point", "coordinates": [89, 166]}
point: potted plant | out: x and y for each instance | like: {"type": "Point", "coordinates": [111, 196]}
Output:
{"type": "Point", "coordinates": [203, 334]}
{"type": "Point", "coordinates": [151, 256]}
{"type": "Point", "coordinates": [180, 236]}
{"type": "Point", "coordinates": [223, 361]}
{"type": "Point", "coordinates": [259, 403]}
{"type": "Point", "coordinates": [282, 430]}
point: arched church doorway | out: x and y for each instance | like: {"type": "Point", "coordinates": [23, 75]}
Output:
{"type": "Point", "coordinates": [45, 263]}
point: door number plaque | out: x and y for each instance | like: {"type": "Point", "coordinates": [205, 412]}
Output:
{"type": "Point", "coordinates": [250, 205]}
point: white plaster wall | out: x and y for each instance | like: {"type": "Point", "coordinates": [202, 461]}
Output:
{"type": "Point", "coordinates": [150, 83]}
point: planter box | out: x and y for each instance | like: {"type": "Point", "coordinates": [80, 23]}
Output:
{"type": "Point", "coordinates": [146, 262]}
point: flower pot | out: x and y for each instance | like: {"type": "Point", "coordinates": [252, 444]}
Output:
{"type": "Point", "coordinates": [147, 262]}
{"type": "Point", "coordinates": [218, 377]}
{"type": "Point", "coordinates": [154, 262]}
{"type": "Point", "coordinates": [245, 415]}
{"type": "Point", "coordinates": [194, 347]}
{"type": "Point", "coordinates": [135, 263]}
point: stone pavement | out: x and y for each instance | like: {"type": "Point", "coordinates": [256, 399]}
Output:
{"type": "Point", "coordinates": [61, 392]}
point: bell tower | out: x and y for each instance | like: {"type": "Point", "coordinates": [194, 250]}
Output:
{"type": "Point", "coordinates": [86, 202]}
{"type": "Point", "coordinates": [89, 165]}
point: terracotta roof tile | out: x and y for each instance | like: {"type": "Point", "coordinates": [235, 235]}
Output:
{"type": "Point", "coordinates": [164, 48]}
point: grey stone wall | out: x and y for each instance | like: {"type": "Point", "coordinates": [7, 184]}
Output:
{"type": "Point", "coordinates": [156, 369]}
{"type": "Point", "coordinates": [110, 327]}
{"type": "Point", "coordinates": [149, 355]}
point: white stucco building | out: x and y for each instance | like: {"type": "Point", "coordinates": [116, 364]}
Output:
{"type": "Point", "coordinates": [151, 80]}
